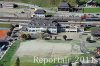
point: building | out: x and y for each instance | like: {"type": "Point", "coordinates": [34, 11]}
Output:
{"type": "Point", "coordinates": [96, 33]}
{"type": "Point", "coordinates": [8, 5]}
{"type": "Point", "coordinates": [69, 26]}
{"type": "Point", "coordinates": [92, 3]}
{"type": "Point", "coordinates": [40, 13]}
{"type": "Point", "coordinates": [39, 26]}
{"type": "Point", "coordinates": [64, 6]}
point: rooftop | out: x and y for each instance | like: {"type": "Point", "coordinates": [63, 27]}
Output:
{"type": "Point", "coordinates": [96, 33]}
{"type": "Point", "coordinates": [40, 11]}
{"type": "Point", "coordinates": [63, 5]}
{"type": "Point", "coordinates": [42, 23]}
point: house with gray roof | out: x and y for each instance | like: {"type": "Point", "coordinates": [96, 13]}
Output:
{"type": "Point", "coordinates": [39, 26]}
{"type": "Point", "coordinates": [40, 13]}
{"type": "Point", "coordinates": [8, 5]}
{"type": "Point", "coordinates": [64, 6]}
{"type": "Point", "coordinates": [96, 33]}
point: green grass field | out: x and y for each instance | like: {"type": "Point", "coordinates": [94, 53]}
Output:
{"type": "Point", "coordinates": [2, 25]}
{"type": "Point", "coordinates": [44, 3]}
{"type": "Point", "coordinates": [92, 28]}
{"type": "Point", "coordinates": [25, 61]}
{"type": "Point", "coordinates": [48, 3]}
{"type": "Point", "coordinates": [8, 56]}
{"type": "Point", "coordinates": [91, 10]}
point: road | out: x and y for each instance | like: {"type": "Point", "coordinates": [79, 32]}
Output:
{"type": "Point", "coordinates": [27, 20]}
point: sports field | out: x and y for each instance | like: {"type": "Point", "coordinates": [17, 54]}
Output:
{"type": "Point", "coordinates": [43, 49]}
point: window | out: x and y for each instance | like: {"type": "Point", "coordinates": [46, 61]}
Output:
{"type": "Point", "coordinates": [33, 30]}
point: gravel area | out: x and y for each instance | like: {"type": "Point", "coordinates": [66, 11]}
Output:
{"type": "Point", "coordinates": [41, 48]}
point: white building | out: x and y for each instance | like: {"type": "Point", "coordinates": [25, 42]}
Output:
{"type": "Point", "coordinates": [72, 29]}
{"type": "Point", "coordinates": [39, 26]}
{"type": "Point", "coordinates": [7, 5]}
{"type": "Point", "coordinates": [71, 26]}
{"type": "Point", "coordinates": [35, 30]}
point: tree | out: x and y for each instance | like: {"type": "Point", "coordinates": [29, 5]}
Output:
{"type": "Point", "coordinates": [17, 61]}
{"type": "Point", "coordinates": [12, 27]}
{"type": "Point", "coordinates": [70, 64]}
{"type": "Point", "coordinates": [79, 64]}
{"type": "Point", "coordinates": [88, 38]}
{"type": "Point", "coordinates": [28, 36]}
{"type": "Point", "coordinates": [9, 33]}
{"type": "Point", "coordinates": [77, 1]}
{"type": "Point", "coordinates": [15, 5]}
{"type": "Point", "coordinates": [55, 37]}
{"type": "Point", "coordinates": [1, 64]}
{"type": "Point", "coordinates": [47, 31]}
{"type": "Point", "coordinates": [24, 36]}
{"type": "Point", "coordinates": [64, 37]}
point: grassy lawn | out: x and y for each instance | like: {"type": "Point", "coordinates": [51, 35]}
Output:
{"type": "Point", "coordinates": [8, 56]}
{"type": "Point", "coordinates": [45, 3]}
{"type": "Point", "coordinates": [35, 64]}
{"type": "Point", "coordinates": [48, 3]}
{"type": "Point", "coordinates": [29, 62]}
{"type": "Point", "coordinates": [88, 0]}
{"type": "Point", "coordinates": [5, 25]}
{"type": "Point", "coordinates": [92, 28]}
{"type": "Point", "coordinates": [91, 10]}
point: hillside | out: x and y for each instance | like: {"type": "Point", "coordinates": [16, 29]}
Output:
{"type": "Point", "coordinates": [48, 3]}
{"type": "Point", "coordinates": [44, 3]}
